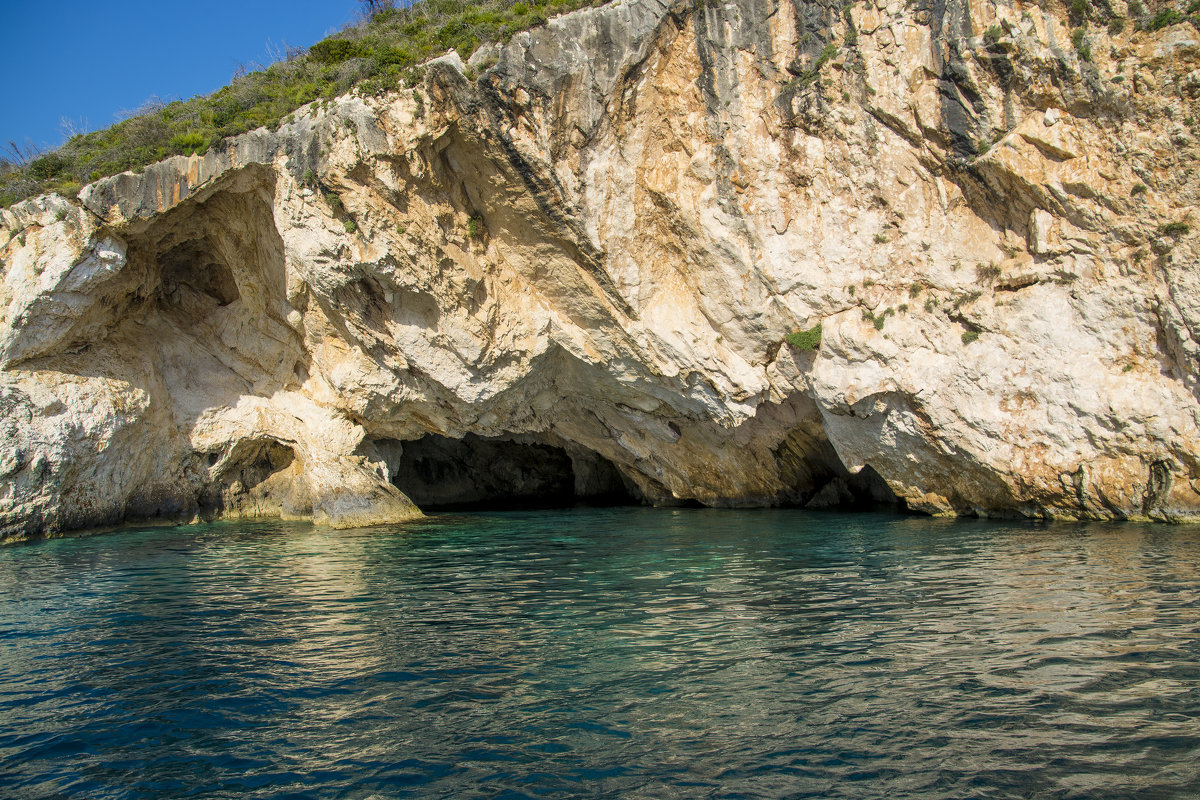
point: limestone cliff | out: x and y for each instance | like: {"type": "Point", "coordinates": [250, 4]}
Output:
{"type": "Point", "coordinates": [596, 244]}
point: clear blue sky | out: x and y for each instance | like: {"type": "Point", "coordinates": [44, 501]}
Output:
{"type": "Point", "coordinates": [88, 61]}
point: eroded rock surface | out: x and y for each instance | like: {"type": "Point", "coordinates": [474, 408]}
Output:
{"type": "Point", "coordinates": [600, 243]}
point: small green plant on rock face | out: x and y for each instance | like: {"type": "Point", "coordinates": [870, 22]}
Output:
{"type": "Point", "coordinates": [487, 63]}
{"type": "Point", "coordinates": [1116, 26]}
{"type": "Point", "coordinates": [915, 289]}
{"type": "Point", "coordinates": [350, 226]}
{"type": "Point", "coordinates": [1138, 188]}
{"type": "Point", "coordinates": [475, 226]}
{"type": "Point", "coordinates": [969, 336]}
{"type": "Point", "coordinates": [309, 179]}
{"type": "Point", "coordinates": [1164, 19]}
{"type": "Point", "coordinates": [987, 272]}
{"type": "Point", "coordinates": [827, 53]}
{"type": "Point", "coordinates": [805, 340]}
{"type": "Point", "coordinates": [813, 73]}
{"type": "Point", "coordinates": [1079, 40]}
{"type": "Point", "coordinates": [335, 203]}
{"type": "Point", "coordinates": [1174, 229]}
{"type": "Point", "coordinates": [877, 321]}
{"type": "Point", "coordinates": [993, 34]}
{"type": "Point", "coordinates": [966, 299]}
{"type": "Point", "coordinates": [881, 238]}
{"type": "Point", "coordinates": [851, 30]}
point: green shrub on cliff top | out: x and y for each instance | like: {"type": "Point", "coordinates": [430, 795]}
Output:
{"type": "Point", "coordinates": [373, 57]}
{"type": "Point", "coordinates": [190, 141]}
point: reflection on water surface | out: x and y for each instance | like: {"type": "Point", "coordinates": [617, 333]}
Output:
{"type": "Point", "coordinates": [605, 652]}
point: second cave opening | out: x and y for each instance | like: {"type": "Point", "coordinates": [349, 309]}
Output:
{"type": "Point", "coordinates": [476, 472]}
{"type": "Point", "coordinates": [532, 471]}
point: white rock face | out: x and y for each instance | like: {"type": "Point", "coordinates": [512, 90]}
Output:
{"type": "Point", "coordinates": [601, 244]}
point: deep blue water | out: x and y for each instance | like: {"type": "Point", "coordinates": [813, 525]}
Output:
{"type": "Point", "coordinates": [605, 653]}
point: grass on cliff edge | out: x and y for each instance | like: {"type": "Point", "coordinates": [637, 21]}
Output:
{"type": "Point", "coordinates": [372, 56]}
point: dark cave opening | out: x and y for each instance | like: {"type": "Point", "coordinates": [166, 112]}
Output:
{"type": "Point", "coordinates": [818, 480]}
{"type": "Point", "coordinates": [193, 266]}
{"type": "Point", "coordinates": [539, 471]}
{"type": "Point", "coordinates": [475, 472]}
{"type": "Point", "coordinates": [865, 490]}
{"type": "Point", "coordinates": [243, 475]}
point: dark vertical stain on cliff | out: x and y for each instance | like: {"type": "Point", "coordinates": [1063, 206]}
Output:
{"type": "Point", "coordinates": [961, 103]}
{"type": "Point", "coordinates": [799, 102]}
{"type": "Point", "coordinates": [718, 30]}
{"type": "Point", "coordinates": [710, 83]}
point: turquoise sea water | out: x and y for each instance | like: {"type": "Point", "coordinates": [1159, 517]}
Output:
{"type": "Point", "coordinates": [605, 653]}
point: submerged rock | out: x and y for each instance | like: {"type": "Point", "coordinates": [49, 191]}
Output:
{"type": "Point", "coordinates": [601, 244]}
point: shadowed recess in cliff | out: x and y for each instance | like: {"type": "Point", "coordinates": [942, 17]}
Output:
{"type": "Point", "coordinates": [816, 478]}
{"type": "Point", "coordinates": [253, 479]}
{"type": "Point", "coordinates": [215, 269]}
{"type": "Point", "coordinates": [865, 490]}
{"type": "Point", "coordinates": [204, 255]}
{"type": "Point", "coordinates": [194, 324]}
{"type": "Point", "coordinates": [438, 472]}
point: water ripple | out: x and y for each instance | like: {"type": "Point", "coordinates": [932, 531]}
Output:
{"type": "Point", "coordinates": [605, 653]}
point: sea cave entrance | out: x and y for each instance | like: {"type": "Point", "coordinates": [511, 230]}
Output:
{"type": "Point", "coordinates": [535, 471]}
{"type": "Point", "coordinates": [521, 471]}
